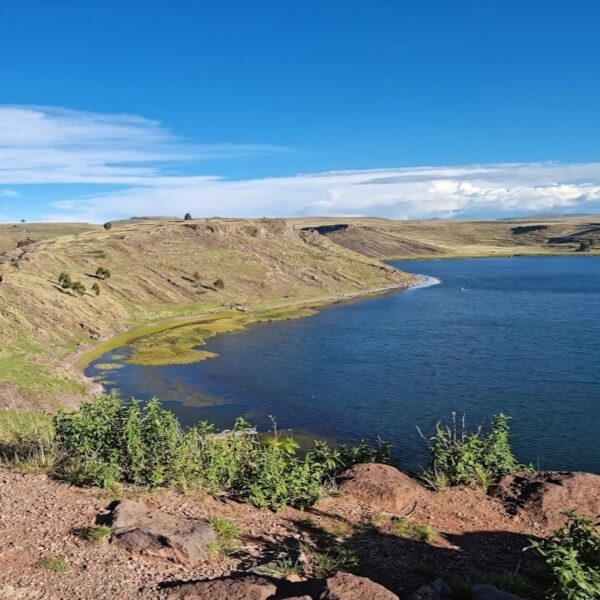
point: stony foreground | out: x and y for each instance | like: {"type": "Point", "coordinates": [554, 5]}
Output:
{"type": "Point", "coordinates": [156, 550]}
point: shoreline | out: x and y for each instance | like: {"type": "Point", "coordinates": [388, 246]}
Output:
{"type": "Point", "coordinates": [81, 360]}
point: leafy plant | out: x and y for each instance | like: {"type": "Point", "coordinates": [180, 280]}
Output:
{"type": "Point", "coordinates": [219, 284]}
{"type": "Point", "coordinates": [96, 289]}
{"type": "Point", "coordinates": [573, 555]}
{"type": "Point", "coordinates": [458, 457]}
{"type": "Point", "coordinates": [187, 217]}
{"type": "Point", "coordinates": [107, 226]}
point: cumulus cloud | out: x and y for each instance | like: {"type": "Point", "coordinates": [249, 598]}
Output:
{"type": "Point", "coordinates": [45, 145]}
{"type": "Point", "coordinates": [6, 193]}
{"type": "Point", "coordinates": [419, 193]}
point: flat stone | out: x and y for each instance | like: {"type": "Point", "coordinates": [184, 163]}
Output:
{"type": "Point", "coordinates": [249, 587]}
{"type": "Point", "coordinates": [154, 533]}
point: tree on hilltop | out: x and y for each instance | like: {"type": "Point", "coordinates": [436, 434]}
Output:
{"type": "Point", "coordinates": [188, 217]}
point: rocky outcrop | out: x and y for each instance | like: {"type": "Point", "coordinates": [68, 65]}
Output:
{"type": "Point", "coordinates": [249, 587]}
{"type": "Point", "coordinates": [437, 590]}
{"type": "Point", "coordinates": [158, 534]}
{"type": "Point", "coordinates": [489, 592]}
{"type": "Point", "coordinates": [382, 487]}
{"type": "Point", "coordinates": [345, 586]}
{"type": "Point", "coordinates": [544, 497]}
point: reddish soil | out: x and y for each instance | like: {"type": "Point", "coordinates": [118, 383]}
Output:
{"type": "Point", "coordinates": [38, 517]}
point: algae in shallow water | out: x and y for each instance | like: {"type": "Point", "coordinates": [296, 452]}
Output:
{"type": "Point", "coordinates": [179, 346]}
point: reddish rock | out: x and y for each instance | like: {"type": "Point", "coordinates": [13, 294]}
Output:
{"type": "Point", "coordinates": [249, 587]}
{"type": "Point", "coordinates": [158, 534]}
{"type": "Point", "coordinates": [382, 487]}
{"type": "Point", "coordinates": [344, 586]}
{"type": "Point", "coordinates": [545, 496]}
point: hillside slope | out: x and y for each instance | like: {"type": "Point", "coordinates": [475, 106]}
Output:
{"type": "Point", "coordinates": [421, 239]}
{"type": "Point", "coordinates": [159, 269]}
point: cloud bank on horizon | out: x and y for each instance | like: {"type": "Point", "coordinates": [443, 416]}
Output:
{"type": "Point", "coordinates": [153, 173]}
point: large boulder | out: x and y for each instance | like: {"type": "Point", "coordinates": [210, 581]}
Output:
{"type": "Point", "coordinates": [489, 592]}
{"type": "Point", "coordinates": [158, 534]}
{"type": "Point", "coordinates": [543, 497]}
{"type": "Point", "coordinates": [381, 487]}
{"type": "Point", "coordinates": [437, 590]}
{"type": "Point", "coordinates": [344, 586]}
{"type": "Point", "coordinates": [249, 587]}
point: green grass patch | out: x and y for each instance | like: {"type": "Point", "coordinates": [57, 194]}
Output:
{"type": "Point", "coordinates": [55, 564]}
{"type": "Point", "coordinates": [403, 527]}
{"type": "Point", "coordinates": [96, 535]}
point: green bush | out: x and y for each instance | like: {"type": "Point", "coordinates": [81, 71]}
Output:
{"type": "Point", "coordinates": [458, 457]}
{"type": "Point", "coordinates": [573, 556]}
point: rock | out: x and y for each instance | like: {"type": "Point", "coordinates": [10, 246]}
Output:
{"type": "Point", "coordinates": [382, 487]}
{"type": "Point", "coordinates": [344, 586]}
{"type": "Point", "coordinates": [155, 533]}
{"type": "Point", "coordinates": [489, 592]}
{"type": "Point", "coordinates": [545, 496]}
{"type": "Point", "coordinates": [249, 587]}
{"type": "Point", "coordinates": [437, 590]}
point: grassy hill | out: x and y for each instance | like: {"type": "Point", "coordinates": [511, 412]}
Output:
{"type": "Point", "coordinates": [440, 238]}
{"type": "Point", "coordinates": [162, 271]}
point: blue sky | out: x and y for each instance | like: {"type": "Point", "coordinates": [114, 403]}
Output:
{"type": "Point", "coordinates": [401, 109]}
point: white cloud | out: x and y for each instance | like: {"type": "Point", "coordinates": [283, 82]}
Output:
{"type": "Point", "coordinates": [6, 193]}
{"type": "Point", "coordinates": [409, 193]}
{"type": "Point", "coordinates": [52, 145]}
{"type": "Point", "coordinates": [40, 145]}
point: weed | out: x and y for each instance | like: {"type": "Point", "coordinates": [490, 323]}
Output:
{"type": "Point", "coordinates": [403, 527]}
{"type": "Point", "coordinates": [285, 568]}
{"type": "Point", "coordinates": [96, 535]}
{"type": "Point", "coordinates": [458, 457]}
{"type": "Point", "coordinates": [573, 556]}
{"type": "Point", "coordinates": [55, 564]}
{"type": "Point", "coordinates": [326, 562]}
{"type": "Point", "coordinates": [228, 536]}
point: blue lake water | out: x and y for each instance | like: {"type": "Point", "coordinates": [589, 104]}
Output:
{"type": "Point", "coordinates": [519, 335]}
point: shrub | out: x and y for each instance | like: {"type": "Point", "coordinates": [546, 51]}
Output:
{"type": "Point", "coordinates": [64, 279]}
{"type": "Point", "coordinates": [78, 288]}
{"type": "Point", "coordinates": [106, 441]}
{"type": "Point", "coordinates": [107, 226]}
{"type": "Point", "coordinates": [25, 242]}
{"type": "Point", "coordinates": [102, 273]}
{"type": "Point", "coordinates": [573, 555]}
{"type": "Point", "coordinates": [219, 284]}
{"type": "Point", "coordinates": [187, 217]}
{"type": "Point", "coordinates": [96, 289]}
{"type": "Point", "coordinates": [461, 458]}
{"type": "Point", "coordinates": [335, 459]}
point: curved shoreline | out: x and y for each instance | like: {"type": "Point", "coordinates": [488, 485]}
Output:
{"type": "Point", "coordinates": [82, 359]}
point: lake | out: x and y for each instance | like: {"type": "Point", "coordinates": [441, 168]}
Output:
{"type": "Point", "coordinates": [519, 335]}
